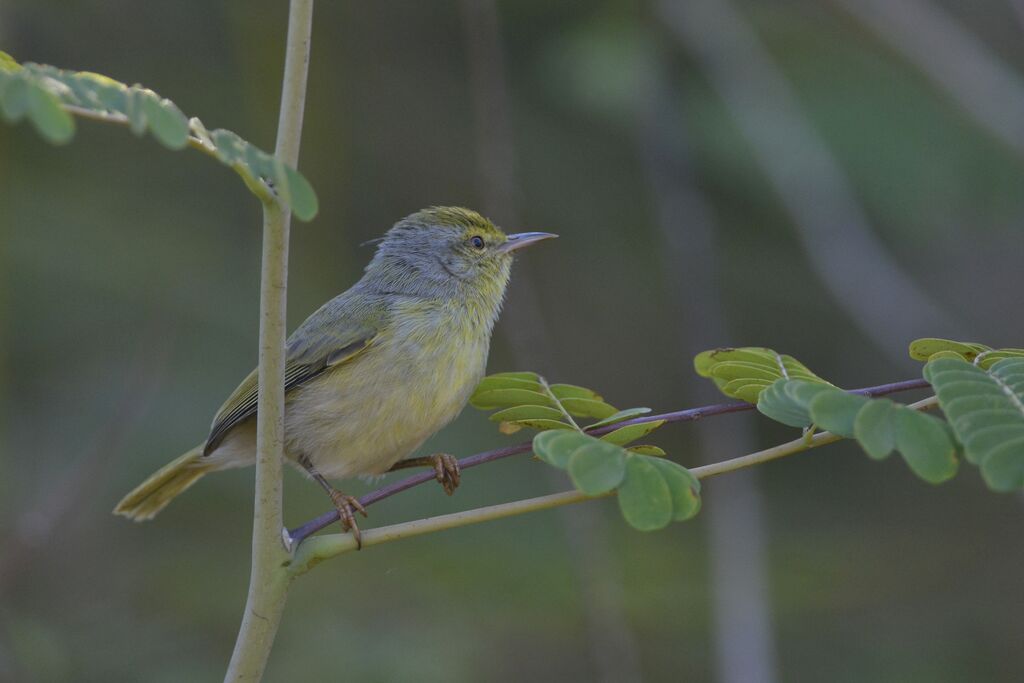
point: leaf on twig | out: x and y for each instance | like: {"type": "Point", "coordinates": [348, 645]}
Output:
{"type": "Point", "coordinates": [985, 409]}
{"type": "Point", "coordinates": [525, 399]}
{"type": "Point", "coordinates": [879, 425]}
{"type": "Point", "coordinates": [621, 416]}
{"type": "Point", "coordinates": [630, 433]}
{"type": "Point", "coordinates": [48, 96]}
{"type": "Point", "coordinates": [745, 372]}
{"type": "Point", "coordinates": [652, 491]}
{"type": "Point", "coordinates": [981, 355]}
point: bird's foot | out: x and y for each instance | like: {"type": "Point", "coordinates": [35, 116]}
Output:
{"type": "Point", "coordinates": [346, 506]}
{"type": "Point", "coordinates": [446, 471]}
{"type": "Point", "coordinates": [445, 466]}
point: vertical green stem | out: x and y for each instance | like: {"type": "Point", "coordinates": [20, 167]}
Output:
{"type": "Point", "coordinates": [268, 581]}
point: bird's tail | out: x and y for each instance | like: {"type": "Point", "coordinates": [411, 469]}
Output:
{"type": "Point", "coordinates": [163, 486]}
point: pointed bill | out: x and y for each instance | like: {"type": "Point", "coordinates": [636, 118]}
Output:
{"type": "Point", "coordinates": [523, 239]}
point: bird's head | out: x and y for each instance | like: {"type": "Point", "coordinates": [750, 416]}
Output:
{"type": "Point", "coordinates": [448, 250]}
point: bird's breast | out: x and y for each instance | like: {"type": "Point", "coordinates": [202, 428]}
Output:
{"type": "Point", "coordinates": [365, 415]}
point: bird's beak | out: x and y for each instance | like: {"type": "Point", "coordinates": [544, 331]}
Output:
{"type": "Point", "coordinates": [523, 239]}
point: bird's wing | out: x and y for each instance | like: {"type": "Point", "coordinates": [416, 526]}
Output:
{"type": "Point", "coordinates": [322, 342]}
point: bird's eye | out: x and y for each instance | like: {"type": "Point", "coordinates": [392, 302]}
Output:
{"type": "Point", "coordinates": [477, 241]}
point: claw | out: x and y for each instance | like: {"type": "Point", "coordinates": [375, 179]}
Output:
{"type": "Point", "coordinates": [345, 504]}
{"type": "Point", "coordinates": [446, 471]}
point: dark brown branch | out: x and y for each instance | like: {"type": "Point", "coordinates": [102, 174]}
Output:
{"type": "Point", "coordinates": [301, 532]}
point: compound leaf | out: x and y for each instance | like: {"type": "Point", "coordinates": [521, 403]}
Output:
{"type": "Point", "coordinates": [985, 409]}
{"type": "Point", "coordinates": [48, 97]}
{"type": "Point", "coordinates": [744, 373]}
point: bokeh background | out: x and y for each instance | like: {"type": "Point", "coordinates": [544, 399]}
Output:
{"type": "Point", "coordinates": [831, 179]}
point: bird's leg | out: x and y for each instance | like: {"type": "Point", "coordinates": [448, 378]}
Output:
{"type": "Point", "coordinates": [343, 503]}
{"type": "Point", "coordinates": [446, 469]}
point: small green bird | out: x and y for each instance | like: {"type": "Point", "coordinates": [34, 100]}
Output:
{"type": "Point", "coordinates": [377, 369]}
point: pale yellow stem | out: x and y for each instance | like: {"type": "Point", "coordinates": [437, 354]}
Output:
{"type": "Point", "coordinates": [268, 581]}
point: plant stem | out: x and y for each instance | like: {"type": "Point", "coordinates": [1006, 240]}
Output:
{"type": "Point", "coordinates": [319, 548]}
{"type": "Point", "coordinates": [268, 581]}
{"type": "Point", "coordinates": [316, 550]}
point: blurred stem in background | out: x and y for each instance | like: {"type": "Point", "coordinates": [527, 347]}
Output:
{"type": "Point", "coordinates": [744, 640]}
{"type": "Point", "coordinates": [268, 582]}
{"type": "Point", "coordinates": [886, 305]}
{"type": "Point", "coordinates": [953, 59]}
{"type": "Point", "coordinates": [1018, 8]}
{"type": "Point", "coordinates": [612, 645]}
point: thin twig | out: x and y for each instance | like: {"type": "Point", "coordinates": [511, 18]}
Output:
{"type": "Point", "coordinates": [321, 548]}
{"type": "Point", "coordinates": [303, 531]}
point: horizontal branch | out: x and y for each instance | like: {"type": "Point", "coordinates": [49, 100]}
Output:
{"type": "Point", "coordinates": [299, 533]}
{"type": "Point", "coordinates": [316, 550]}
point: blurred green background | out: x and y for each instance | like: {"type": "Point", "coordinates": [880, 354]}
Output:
{"type": "Point", "coordinates": [129, 292]}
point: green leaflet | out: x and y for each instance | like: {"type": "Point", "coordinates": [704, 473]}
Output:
{"type": "Point", "coordinates": [630, 433]}
{"type": "Point", "coordinates": [652, 491]}
{"type": "Point", "coordinates": [14, 102]}
{"type": "Point", "coordinates": [985, 409]}
{"type": "Point", "coordinates": [924, 349]}
{"type": "Point", "coordinates": [164, 120]}
{"type": "Point", "coordinates": [879, 425]}
{"type": "Point", "coordinates": [564, 391]}
{"type": "Point", "coordinates": [979, 354]}
{"type": "Point", "coordinates": [745, 373]}
{"type": "Point", "coordinates": [23, 96]}
{"type": "Point", "coordinates": [536, 423]}
{"type": "Point", "coordinates": [497, 398]}
{"type": "Point", "coordinates": [874, 428]}
{"type": "Point", "coordinates": [788, 401]}
{"type": "Point", "coordinates": [493, 382]}
{"type": "Point", "coordinates": [645, 449]}
{"type": "Point", "coordinates": [620, 416]}
{"type": "Point", "coordinates": [836, 410]}
{"type": "Point", "coordinates": [597, 467]}
{"type": "Point", "coordinates": [555, 447]}
{"type": "Point", "coordinates": [925, 445]}
{"type": "Point", "coordinates": [683, 487]}
{"type": "Point", "coordinates": [924, 441]}
{"type": "Point", "coordinates": [527, 400]}
{"type": "Point", "coordinates": [253, 164]}
{"type": "Point", "coordinates": [531, 376]}
{"type": "Point", "coordinates": [52, 122]}
{"type": "Point", "coordinates": [527, 412]}
{"type": "Point", "coordinates": [644, 497]}
{"type": "Point", "coordinates": [48, 97]}
{"type": "Point", "coordinates": [586, 407]}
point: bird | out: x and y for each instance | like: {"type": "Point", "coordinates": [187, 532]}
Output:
{"type": "Point", "coordinates": [376, 370]}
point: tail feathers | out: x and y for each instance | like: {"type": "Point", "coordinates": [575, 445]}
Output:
{"type": "Point", "coordinates": [163, 486]}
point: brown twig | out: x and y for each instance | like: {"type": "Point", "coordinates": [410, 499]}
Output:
{"type": "Point", "coordinates": [296, 535]}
